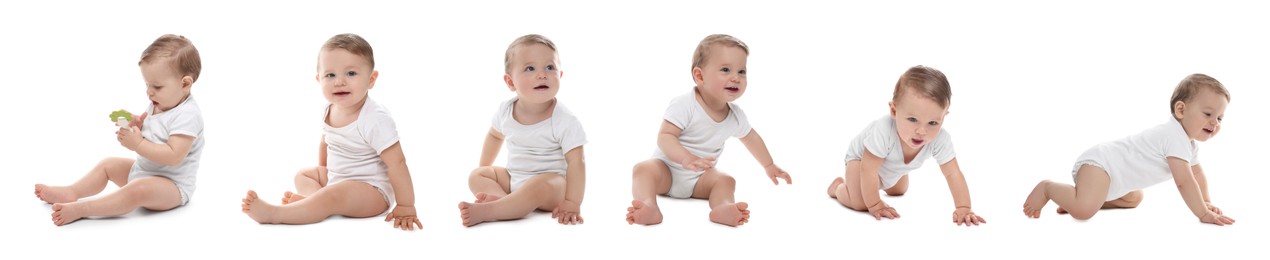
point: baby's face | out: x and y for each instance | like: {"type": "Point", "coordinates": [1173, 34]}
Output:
{"type": "Point", "coordinates": [917, 119]}
{"type": "Point", "coordinates": [165, 86]}
{"type": "Point", "coordinates": [1201, 117]}
{"type": "Point", "coordinates": [722, 76]}
{"type": "Point", "coordinates": [535, 73]}
{"type": "Point", "coordinates": [345, 77]}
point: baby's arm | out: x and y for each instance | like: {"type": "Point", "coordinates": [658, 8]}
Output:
{"type": "Point", "coordinates": [403, 187]}
{"type": "Point", "coordinates": [758, 148]}
{"type": "Point", "coordinates": [1189, 186]}
{"type": "Point", "coordinates": [1203, 187]}
{"type": "Point", "coordinates": [869, 181]}
{"type": "Point", "coordinates": [322, 151]}
{"type": "Point", "coordinates": [493, 143]}
{"type": "Point", "coordinates": [170, 154]}
{"type": "Point", "coordinates": [569, 211]}
{"type": "Point", "coordinates": [960, 193]}
{"type": "Point", "coordinates": [668, 141]}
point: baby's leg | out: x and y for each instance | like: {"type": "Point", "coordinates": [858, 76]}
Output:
{"type": "Point", "coordinates": [109, 169]}
{"type": "Point", "coordinates": [650, 177]}
{"type": "Point", "coordinates": [307, 181]}
{"type": "Point", "coordinates": [351, 199]}
{"type": "Point", "coordinates": [542, 192]}
{"type": "Point", "coordinates": [847, 190]}
{"type": "Point", "coordinates": [900, 187]}
{"type": "Point", "coordinates": [489, 183]}
{"type": "Point", "coordinates": [154, 193]}
{"type": "Point", "coordinates": [1128, 201]}
{"type": "Point", "coordinates": [719, 188]}
{"type": "Point", "coordinates": [1082, 200]}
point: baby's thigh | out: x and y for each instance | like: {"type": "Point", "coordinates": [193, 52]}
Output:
{"type": "Point", "coordinates": [855, 196]}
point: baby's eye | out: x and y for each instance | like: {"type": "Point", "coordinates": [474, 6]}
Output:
{"type": "Point", "coordinates": [1206, 114]}
{"type": "Point", "coordinates": [912, 119]}
{"type": "Point", "coordinates": [551, 67]}
{"type": "Point", "coordinates": [742, 72]}
{"type": "Point", "coordinates": [157, 87]}
{"type": "Point", "coordinates": [1220, 118]}
{"type": "Point", "coordinates": [529, 69]}
{"type": "Point", "coordinates": [329, 75]}
{"type": "Point", "coordinates": [352, 73]}
{"type": "Point", "coordinates": [725, 70]}
{"type": "Point", "coordinates": [932, 123]}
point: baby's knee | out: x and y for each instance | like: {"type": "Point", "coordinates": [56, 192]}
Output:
{"type": "Point", "coordinates": [896, 192]}
{"type": "Point", "coordinates": [1131, 200]}
{"type": "Point", "coordinates": [482, 172]}
{"type": "Point", "coordinates": [725, 180]}
{"type": "Point", "coordinates": [645, 169]}
{"type": "Point", "coordinates": [1083, 213]}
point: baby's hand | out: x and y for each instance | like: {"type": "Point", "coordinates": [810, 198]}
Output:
{"type": "Point", "coordinates": [774, 172]}
{"type": "Point", "coordinates": [403, 217]}
{"type": "Point", "coordinates": [137, 121]}
{"type": "Point", "coordinates": [1216, 219]}
{"type": "Point", "coordinates": [1210, 206]}
{"type": "Point", "coordinates": [882, 210]}
{"type": "Point", "coordinates": [568, 213]}
{"type": "Point", "coordinates": [963, 215]}
{"type": "Point", "coordinates": [129, 138]}
{"type": "Point", "coordinates": [699, 165]}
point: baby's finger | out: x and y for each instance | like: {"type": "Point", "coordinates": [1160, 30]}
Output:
{"type": "Point", "coordinates": [787, 177]}
{"type": "Point", "coordinates": [579, 217]}
{"type": "Point", "coordinates": [389, 218]}
{"type": "Point", "coordinates": [418, 224]}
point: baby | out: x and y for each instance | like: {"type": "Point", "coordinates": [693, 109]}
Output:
{"type": "Point", "coordinates": [882, 155]}
{"type": "Point", "coordinates": [545, 165]}
{"type": "Point", "coordinates": [1113, 174]}
{"type": "Point", "coordinates": [367, 169]}
{"type": "Point", "coordinates": [692, 135]}
{"type": "Point", "coordinates": [168, 139]}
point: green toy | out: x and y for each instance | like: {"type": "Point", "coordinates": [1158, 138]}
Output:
{"type": "Point", "coordinates": [121, 117]}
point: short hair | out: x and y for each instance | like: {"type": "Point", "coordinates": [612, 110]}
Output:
{"type": "Point", "coordinates": [179, 53]}
{"type": "Point", "coordinates": [526, 40]}
{"type": "Point", "coordinates": [351, 43]}
{"type": "Point", "coordinates": [1190, 86]}
{"type": "Point", "coordinates": [927, 82]}
{"type": "Point", "coordinates": [704, 47]}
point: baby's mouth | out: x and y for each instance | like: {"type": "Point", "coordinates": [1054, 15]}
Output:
{"type": "Point", "coordinates": [1208, 130]}
{"type": "Point", "coordinates": [732, 89]}
{"type": "Point", "coordinates": [541, 87]}
{"type": "Point", "coordinates": [917, 141]}
{"type": "Point", "coordinates": [342, 93]}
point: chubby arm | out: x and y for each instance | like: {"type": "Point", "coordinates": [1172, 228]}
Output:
{"type": "Point", "coordinates": [1203, 183]}
{"type": "Point", "coordinates": [758, 148]}
{"type": "Point", "coordinates": [403, 188]}
{"type": "Point", "coordinates": [493, 143]}
{"type": "Point", "coordinates": [322, 151]}
{"type": "Point", "coordinates": [962, 214]}
{"type": "Point", "coordinates": [668, 141]}
{"type": "Point", "coordinates": [869, 181]}
{"type": "Point", "coordinates": [569, 211]}
{"type": "Point", "coordinates": [170, 154]}
{"type": "Point", "coordinates": [1188, 185]}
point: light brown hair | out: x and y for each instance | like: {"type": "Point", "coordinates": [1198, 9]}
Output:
{"type": "Point", "coordinates": [526, 40]}
{"type": "Point", "coordinates": [927, 82]}
{"type": "Point", "coordinates": [1190, 86]}
{"type": "Point", "coordinates": [704, 47]}
{"type": "Point", "coordinates": [351, 43]}
{"type": "Point", "coordinates": [179, 53]}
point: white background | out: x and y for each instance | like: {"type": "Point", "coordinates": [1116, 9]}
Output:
{"type": "Point", "coordinates": [1034, 85]}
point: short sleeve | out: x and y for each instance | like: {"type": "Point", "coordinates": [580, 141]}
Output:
{"type": "Point", "coordinates": [942, 148]}
{"type": "Point", "coordinates": [1178, 145]}
{"type": "Point", "coordinates": [679, 113]}
{"type": "Point", "coordinates": [188, 123]}
{"type": "Point", "coordinates": [880, 138]}
{"type": "Point", "coordinates": [381, 132]}
{"type": "Point", "coordinates": [570, 133]}
{"type": "Point", "coordinates": [743, 121]}
{"type": "Point", "coordinates": [500, 116]}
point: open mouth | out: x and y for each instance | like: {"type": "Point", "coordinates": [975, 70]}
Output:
{"type": "Point", "coordinates": [152, 102]}
{"type": "Point", "coordinates": [342, 93]}
{"type": "Point", "coordinates": [732, 89]}
{"type": "Point", "coordinates": [541, 87]}
{"type": "Point", "coordinates": [1208, 130]}
{"type": "Point", "coordinates": [917, 142]}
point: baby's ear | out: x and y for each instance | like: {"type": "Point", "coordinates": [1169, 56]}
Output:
{"type": "Point", "coordinates": [697, 76]}
{"type": "Point", "coordinates": [187, 82]}
{"type": "Point", "coordinates": [1178, 109]}
{"type": "Point", "coordinates": [892, 105]}
{"type": "Point", "coordinates": [507, 78]}
{"type": "Point", "coordinates": [374, 75]}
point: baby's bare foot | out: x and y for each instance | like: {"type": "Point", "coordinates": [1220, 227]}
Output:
{"type": "Point", "coordinates": [291, 197]}
{"type": "Point", "coordinates": [643, 214]}
{"type": "Point", "coordinates": [65, 213]}
{"type": "Point", "coordinates": [259, 210]}
{"type": "Point", "coordinates": [731, 214]}
{"type": "Point", "coordinates": [55, 194]}
{"type": "Point", "coordinates": [833, 187]}
{"type": "Point", "coordinates": [1036, 200]}
{"type": "Point", "coordinates": [474, 213]}
{"type": "Point", "coordinates": [482, 197]}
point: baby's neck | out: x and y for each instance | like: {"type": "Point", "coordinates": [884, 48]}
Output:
{"type": "Point", "coordinates": [713, 106]}
{"type": "Point", "coordinates": [530, 113]}
{"type": "Point", "coordinates": [158, 110]}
